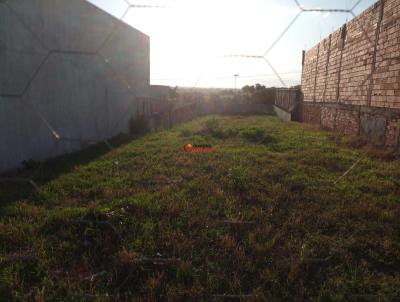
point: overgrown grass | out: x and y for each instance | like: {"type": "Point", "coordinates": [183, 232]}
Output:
{"type": "Point", "coordinates": [212, 128]}
{"type": "Point", "coordinates": [260, 218]}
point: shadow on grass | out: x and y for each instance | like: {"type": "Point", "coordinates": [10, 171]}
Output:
{"type": "Point", "coordinates": [16, 186]}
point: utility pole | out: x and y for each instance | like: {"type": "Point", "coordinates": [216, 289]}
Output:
{"type": "Point", "coordinates": [236, 76]}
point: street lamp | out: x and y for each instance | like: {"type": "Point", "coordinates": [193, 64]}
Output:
{"type": "Point", "coordinates": [236, 76]}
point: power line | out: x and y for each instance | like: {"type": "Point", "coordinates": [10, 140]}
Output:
{"type": "Point", "coordinates": [229, 77]}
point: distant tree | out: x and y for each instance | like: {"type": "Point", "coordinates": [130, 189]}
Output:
{"type": "Point", "coordinates": [258, 94]}
{"type": "Point", "coordinates": [173, 92]}
{"type": "Point", "coordinates": [260, 87]}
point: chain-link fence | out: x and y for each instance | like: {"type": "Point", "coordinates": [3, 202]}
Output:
{"type": "Point", "coordinates": [127, 83]}
{"type": "Point", "coordinates": [49, 52]}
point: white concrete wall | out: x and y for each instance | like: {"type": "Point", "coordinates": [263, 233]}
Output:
{"type": "Point", "coordinates": [282, 114]}
{"type": "Point", "coordinates": [70, 73]}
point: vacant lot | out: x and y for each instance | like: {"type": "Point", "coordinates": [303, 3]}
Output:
{"type": "Point", "coordinates": [262, 218]}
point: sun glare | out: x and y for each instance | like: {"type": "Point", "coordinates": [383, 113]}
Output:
{"type": "Point", "coordinates": [191, 39]}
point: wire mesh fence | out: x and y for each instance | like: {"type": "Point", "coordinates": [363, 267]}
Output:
{"type": "Point", "coordinates": [59, 139]}
{"type": "Point", "coordinates": [281, 78]}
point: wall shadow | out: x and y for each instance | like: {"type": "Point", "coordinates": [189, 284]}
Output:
{"type": "Point", "coordinates": [15, 186]}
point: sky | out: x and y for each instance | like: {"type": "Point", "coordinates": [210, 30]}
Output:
{"type": "Point", "coordinates": [192, 40]}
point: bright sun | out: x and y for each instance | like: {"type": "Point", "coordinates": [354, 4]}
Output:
{"type": "Point", "coordinates": [189, 39]}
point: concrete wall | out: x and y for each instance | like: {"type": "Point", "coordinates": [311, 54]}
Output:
{"type": "Point", "coordinates": [351, 79]}
{"type": "Point", "coordinates": [283, 114]}
{"type": "Point", "coordinates": [184, 113]}
{"type": "Point", "coordinates": [287, 103]}
{"type": "Point", "coordinates": [71, 74]}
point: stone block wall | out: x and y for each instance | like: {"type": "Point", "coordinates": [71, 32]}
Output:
{"type": "Point", "coordinates": [351, 79]}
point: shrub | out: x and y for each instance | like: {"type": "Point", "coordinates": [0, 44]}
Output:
{"type": "Point", "coordinates": [253, 134]}
{"type": "Point", "coordinates": [186, 133]}
{"type": "Point", "coordinates": [211, 126]}
{"type": "Point", "coordinates": [231, 132]}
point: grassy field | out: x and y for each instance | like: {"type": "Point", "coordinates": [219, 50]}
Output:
{"type": "Point", "coordinates": [265, 217]}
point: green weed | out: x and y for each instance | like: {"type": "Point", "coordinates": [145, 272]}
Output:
{"type": "Point", "coordinates": [261, 216]}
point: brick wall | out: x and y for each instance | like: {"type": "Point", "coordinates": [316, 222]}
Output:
{"type": "Point", "coordinates": [386, 77]}
{"type": "Point", "coordinates": [392, 132]}
{"type": "Point", "coordinates": [309, 69]}
{"type": "Point", "coordinates": [348, 121]}
{"type": "Point", "coordinates": [357, 58]}
{"type": "Point", "coordinates": [334, 64]}
{"type": "Point", "coordinates": [322, 63]}
{"type": "Point", "coordinates": [311, 113]}
{"type": "Point", "coordinates": [357, 67]}
{"type": "Point", "coordinates": [328, 118]}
